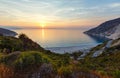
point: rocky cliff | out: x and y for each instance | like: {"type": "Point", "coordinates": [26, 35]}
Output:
{"type": "Point", "coordinates": [109, 29]}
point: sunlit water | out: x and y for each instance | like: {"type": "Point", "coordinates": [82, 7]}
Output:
{"type": "Point", "coordinates": [61, 40]}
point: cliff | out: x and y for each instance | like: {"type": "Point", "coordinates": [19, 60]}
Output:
{"type": "Point", "coordinates": [109, 29]}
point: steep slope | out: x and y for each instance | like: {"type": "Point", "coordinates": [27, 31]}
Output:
{"type": "Point", "coordinates": [116, 34]}
{"type": "Point", "coordinates": [7, 32]}
{"type": "Point", "coordinates": [22, 43]}
{"type": "Point", "coordinates": [107, 47]}
{"type": "Point", "coordinates": [109, 29]}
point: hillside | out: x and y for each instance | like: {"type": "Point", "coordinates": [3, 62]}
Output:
{"type": "Point", "coordinates": [108, 62]}
{"type": "Point", "coordinates": [7, 32]}
{"type": "Point", "coordinates": [10, 44]}
{"type": "Point", "coordinates": [113, 45]}
{"type": "Point", "coordinates": [26, 59]}
{"type": "Point", "coordinates": [109, 29]}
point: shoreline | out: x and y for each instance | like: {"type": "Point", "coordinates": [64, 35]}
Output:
{"type": "Point", "coordinates": [71, 49]}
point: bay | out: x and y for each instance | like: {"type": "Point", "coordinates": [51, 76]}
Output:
{"type": "Point", "coordinates": [61, 40]}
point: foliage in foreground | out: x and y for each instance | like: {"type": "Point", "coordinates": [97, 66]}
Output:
{"type": "Point", "coordinates": [22, 62]}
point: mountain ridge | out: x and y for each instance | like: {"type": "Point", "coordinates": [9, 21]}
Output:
{"type": "Point", "coordinates": [6, 32]}
{"type": "Point", "coordinates": [107, 29]}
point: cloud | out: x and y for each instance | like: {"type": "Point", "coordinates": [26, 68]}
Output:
{"type": "Point", "coordinates": [26, 0]}
{"type": "Point", "coordinates": [56, 10]}
{"type": "Point", "coordinates": [115, 5]}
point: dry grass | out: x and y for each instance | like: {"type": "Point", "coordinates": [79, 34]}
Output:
{"type": "Point", "coordinates": [5, 72]}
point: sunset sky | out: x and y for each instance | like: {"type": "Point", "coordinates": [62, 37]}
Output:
{"type": "Point", "coordinates": [57, 13]}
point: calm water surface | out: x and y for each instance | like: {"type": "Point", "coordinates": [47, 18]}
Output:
{"type": "Point", "coordinates": [54, 38]}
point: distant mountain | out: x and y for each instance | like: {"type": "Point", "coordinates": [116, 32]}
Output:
{"type": "Point", "coordinates": [109, 29]}
{"type": "Point", "coordinates": [6, 32]}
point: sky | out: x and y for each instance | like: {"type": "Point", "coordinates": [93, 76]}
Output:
{"type": "Point", "coordinates": [57, 13]}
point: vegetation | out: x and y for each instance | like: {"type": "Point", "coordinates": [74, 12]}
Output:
{"type": "Point", "coordinates": [28, 44]}
{"type": "Point", "coordinates": [22, 43]}
{"type": "Point", "coordinates": [22, 58]}
{"type": "Point", "coordinates": [9, 44]}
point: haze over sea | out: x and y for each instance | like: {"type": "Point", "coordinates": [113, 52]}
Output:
{"type": "Point", "coordinates": [61, 40]}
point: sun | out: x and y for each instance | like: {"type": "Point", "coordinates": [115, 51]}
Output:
{"type": "Point", "coordinates": [42, 24]}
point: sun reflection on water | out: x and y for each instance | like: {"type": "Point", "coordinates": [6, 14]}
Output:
{"type": "Point", "coordinates": [43, 34]}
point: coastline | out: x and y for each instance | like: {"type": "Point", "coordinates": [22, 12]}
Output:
{"type": "Point", "coordinates": [69, 49]}
{"type": "Point", "coordinates": [101, 36]}
{"type": "Point", "coordinates": [7, 32]}
{"type": "Point", "coordinates": [84, 48]}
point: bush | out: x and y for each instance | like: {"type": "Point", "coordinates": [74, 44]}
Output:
{"type": "Point", "coordinates": [28, 59]}
{"type": "Point", "coordinates": [116, 74]}
{"type": "Point", "coordinates": [10, 44]}
{"type": "Point", "coordinates": [65, 70]}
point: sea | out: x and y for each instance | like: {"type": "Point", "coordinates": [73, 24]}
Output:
{"type": "Point", "coordinates": [62, 40]}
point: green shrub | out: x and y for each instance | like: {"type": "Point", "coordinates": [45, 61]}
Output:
{"type": "Point", "coordinates": [116, 74]}
{"type": "Point", "coordinates": [10, 44]}
{"type": "Point", "coordinates": [65, 70]}
{"type": "Point", "coordinates": [28, 59]}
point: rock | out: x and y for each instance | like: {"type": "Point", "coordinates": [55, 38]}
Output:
{"type": "Point", "coordinates": [109, 29]}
